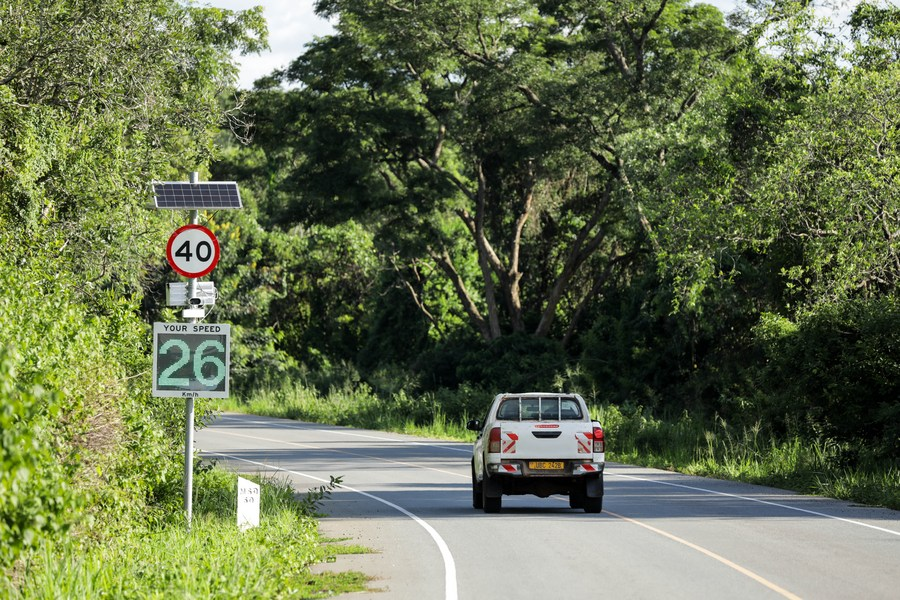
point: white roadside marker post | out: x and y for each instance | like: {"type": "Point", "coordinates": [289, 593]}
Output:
{"type": "Point", "coordinates": [247, 504]}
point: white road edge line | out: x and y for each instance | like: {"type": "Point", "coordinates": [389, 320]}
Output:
{"type": "Point", "coordinates": [450, 586]}
{"type": "Point", "coordinates": [749, 499]}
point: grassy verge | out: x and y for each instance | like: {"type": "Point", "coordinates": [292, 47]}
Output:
{"type": "Point", "coordinates": [353, 407]}
{"type": "Point", "coordinates": [212, 560]}
{"type": "Point", "coordinates": [749, 454]}
{"type": "Point", "coordinates": [716, 449]}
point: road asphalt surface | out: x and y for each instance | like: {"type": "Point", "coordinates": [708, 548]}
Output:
{"type": "Point", "coordinates": [660, 535]}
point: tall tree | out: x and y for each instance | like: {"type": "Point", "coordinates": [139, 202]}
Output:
{"type": "Point", "coordinates": [843, 209]}
{"type": "Point", "coordinates": [792, 166]}
{"type": "Point", "coordinates": [97, 98]}
{"type": "Point", "coordinates": [484, 139]}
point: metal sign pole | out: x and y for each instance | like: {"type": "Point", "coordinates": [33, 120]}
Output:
{"type": "Point", "coordinates": [189, 406]}
{"type": "Point", "coordinates": [193, 251]}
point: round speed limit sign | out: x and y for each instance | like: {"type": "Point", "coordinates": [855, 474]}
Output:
{"type": "Point", "coordinates": [193, 251]}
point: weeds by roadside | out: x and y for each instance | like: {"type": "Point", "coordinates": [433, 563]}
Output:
{"type": "Point", "coordinates": [356, 406]}
{"type": "Point", "coordinates": [212, 560]}
{"type": "Point", "coordinates": [749, 454]}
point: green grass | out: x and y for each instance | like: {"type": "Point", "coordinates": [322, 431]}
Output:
{"type": "Point", "coordinates": [352, 407]}
{"type": "Point", "coordinates": [686, 445]}
{"type": "Point", "coordinates": [749, 454]}
{"type": "Point", "coordinates": [212, 560]}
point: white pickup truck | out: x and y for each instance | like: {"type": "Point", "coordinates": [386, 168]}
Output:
{"type": "Point", "coordinates": [538, 443]}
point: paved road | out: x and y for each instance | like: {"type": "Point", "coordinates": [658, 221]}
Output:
{"type": "Point", "coordinates": [661, 535]}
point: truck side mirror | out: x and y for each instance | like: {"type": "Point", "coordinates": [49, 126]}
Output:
{"type": "Point", "coordinates": [474, 425]}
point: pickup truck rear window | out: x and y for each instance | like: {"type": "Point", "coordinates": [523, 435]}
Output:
{"type": "Point", "coordinates": [539, 409]}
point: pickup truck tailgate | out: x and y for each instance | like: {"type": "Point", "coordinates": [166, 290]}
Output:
{"type": "Point", "coordinates": [546, 441]}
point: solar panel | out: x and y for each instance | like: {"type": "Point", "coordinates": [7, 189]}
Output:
{"type": "Point", "coordinates": [181, 195]}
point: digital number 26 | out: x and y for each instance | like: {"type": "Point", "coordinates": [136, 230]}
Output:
{"type": "Point", "coordinates": [165, 378]}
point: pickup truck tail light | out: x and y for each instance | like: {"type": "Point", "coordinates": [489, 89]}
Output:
{"type": "Point", "coordinates": [494, 441]}
{"type": "Point", "coordinates": [599, 441]}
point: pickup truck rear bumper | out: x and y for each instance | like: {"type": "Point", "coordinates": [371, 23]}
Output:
{"type": "Point", "coordinates": [538, 468]}
{"type": "Point", "coordinates": [503, 483]}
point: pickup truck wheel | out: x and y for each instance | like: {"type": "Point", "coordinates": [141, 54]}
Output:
{"type": "Point", "coordinates": [593, 505]}
{"type": "Point", "coordinates": [477, 498]}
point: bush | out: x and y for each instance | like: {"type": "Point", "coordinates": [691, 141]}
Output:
{"type": "Point", "coordinates": [835, 373]}
{"type": "Point", "coordinates": [512, 363]}
{"type": "Point", "coordinates": [256, 360]}
{"type": "Point", "coordinates": [34, 484]}
{"type": "Point", "coordinates": [50, 363]}
{"type": "Point", "coordinates": [82, 445]}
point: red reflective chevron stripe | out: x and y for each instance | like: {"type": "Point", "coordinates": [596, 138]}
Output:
{"type": "Point", "coordinates": [509, 442]}
{"type": "Point", "coordinates": [584, 442]}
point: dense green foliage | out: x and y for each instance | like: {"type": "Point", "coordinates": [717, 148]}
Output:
{"type": "Point", "coordinates": [841, 364]}
{"type": "Point", "coordinates": [676, 214]}
{"type": "Point", "coordinates": [32, 481]}
{"type": "Point", "coordinates": [641, 201]}
{"type": "Point", "coordinates": [96, 99]}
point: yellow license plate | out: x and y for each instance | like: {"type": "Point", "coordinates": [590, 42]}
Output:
{"type": "Point", "coordinates": [546, 466]}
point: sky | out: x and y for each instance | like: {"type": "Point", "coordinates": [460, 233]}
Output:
{"type": "Point", "coordinates": [293, 24]}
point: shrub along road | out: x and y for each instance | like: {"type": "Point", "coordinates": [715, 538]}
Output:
{"type": "Point", "coordinates": [660, 535]}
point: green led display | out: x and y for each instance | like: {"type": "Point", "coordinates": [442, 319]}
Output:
{"type": "Point", "coordinates": [191, 360]}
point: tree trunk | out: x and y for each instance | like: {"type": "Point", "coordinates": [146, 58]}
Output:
{"type": "Point", "coordinates": [446, 264]}
{"type": "Point", "coordinates": [484, 260]}
{"type": "Point", "coordinates": [514, 275]}
{"type": "Point", "coordinates": [582, 248]}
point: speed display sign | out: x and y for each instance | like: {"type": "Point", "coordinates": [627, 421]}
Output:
{"type": "Point", "coordinates": [191, 360]}
{"type": "Point", "coordinates": [193, 251]}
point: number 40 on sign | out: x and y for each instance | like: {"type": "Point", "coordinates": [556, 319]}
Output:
{"type": "Point", "coordinates": [193, 251]}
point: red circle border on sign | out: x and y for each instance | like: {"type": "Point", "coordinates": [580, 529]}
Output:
{"type": "Point", "coordinates": [216, 252]}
